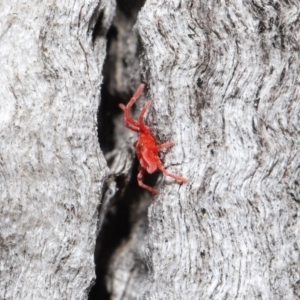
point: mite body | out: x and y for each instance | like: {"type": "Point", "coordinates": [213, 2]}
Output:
{"type": "Point", "coordinates": [146, 147]}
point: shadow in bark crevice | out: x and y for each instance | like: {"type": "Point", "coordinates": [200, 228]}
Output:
{"type": "Point", "coordinates": [123, 213]}
{"type": "Point", "coordinates": [115, 228]}
{"type": "Point", "coordinates": [119, 214]}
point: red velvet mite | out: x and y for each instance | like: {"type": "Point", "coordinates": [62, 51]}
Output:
{"type": "Point", "coordinates": [146, 147]}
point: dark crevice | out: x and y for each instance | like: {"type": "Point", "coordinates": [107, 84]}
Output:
{"type": "Point", "coordinates": [96, 27]}
{"type": "Point", "coordinates": [107, 110]}
{"type": "Point", "coordinates": [99, 29]}
{"type": "Point", "coordinates": [109, 102]}
{"type": "Point", "coordinates": [115, 230]}
{"type": "Point", "coordinates": [130, 7]}
{"type": "Point", "coordinates": [120, 214]}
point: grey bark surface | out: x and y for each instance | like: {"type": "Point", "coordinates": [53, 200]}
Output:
{"type": "Point", "coordinates": [224, 80]}
{"type": "Point", "coordinates": [52, 169]}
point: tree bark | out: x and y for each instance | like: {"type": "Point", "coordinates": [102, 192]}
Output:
{"type": "Point", "coordinates": [52, 170]}
{"type": "Point", "coordinates": [223, 77]}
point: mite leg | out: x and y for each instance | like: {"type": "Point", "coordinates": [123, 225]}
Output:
{"type": "Point", "coordinates": [126, 108]}
{"type": "Point", "coordinates": [141, 184]}
{"type": "Point", "coordinates": [176, 177]}
{"type": "Point", "coordinates": [128, 122]}
{"type": "Point", "coordinates": [143, 111]}
{"type": "Point", "coordinates": [135, 96]}
{"type": "Point", "coordinates": [165, 145]}
{"type": "Point", "coordinates": [141, 121]}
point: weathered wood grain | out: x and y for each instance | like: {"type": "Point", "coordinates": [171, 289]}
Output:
{"type": "Point", "coordinates": [224, 80]}
{"type": "Point", "coordinates": [51, 170]}
{"type": "Point", "coordinates": [223, 77]}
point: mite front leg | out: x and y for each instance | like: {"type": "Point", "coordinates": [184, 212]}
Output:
{"type": "Point", "coordinates": [128, 121]}
{"type": "Point", "coordinates": [141, 117]}
{"type": "Point", "coordinates": [130, 103]}
{"type": "Point", "coordinates": [141, 184]}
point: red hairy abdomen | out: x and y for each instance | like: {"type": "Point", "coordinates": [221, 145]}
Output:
{"type": "Point", "coordinates": [147, 152]}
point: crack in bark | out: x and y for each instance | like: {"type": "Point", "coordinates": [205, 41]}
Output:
{"type": "Point", "coordinates": [122, 197]}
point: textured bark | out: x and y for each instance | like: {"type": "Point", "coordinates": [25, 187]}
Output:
{"type": "Point", "coordinates": [223, 77]}
{"type": "Point", "coordinates": [52, 170]}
